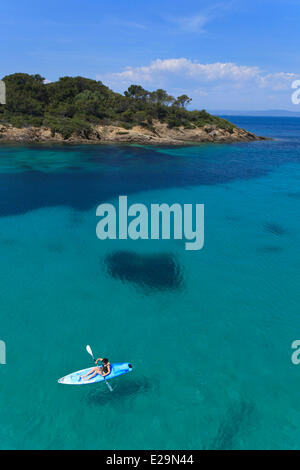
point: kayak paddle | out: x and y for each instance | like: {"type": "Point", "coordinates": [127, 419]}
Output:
{"type": "Point", "coordinates": [89, 350]}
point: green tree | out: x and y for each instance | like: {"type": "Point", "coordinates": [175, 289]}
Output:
{"type": "Point", "coordinates": [160, 96]}
{"type": "Point", "coordinates": [137, 92]}
{"type": "Point", "coordinates": [182, 101]}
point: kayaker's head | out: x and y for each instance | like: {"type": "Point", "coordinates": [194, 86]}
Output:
{"type": "Point", "coordinates": [105, 361]}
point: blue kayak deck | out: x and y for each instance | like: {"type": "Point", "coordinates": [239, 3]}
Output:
{"type": "Point", "coordinates": [76, 377]}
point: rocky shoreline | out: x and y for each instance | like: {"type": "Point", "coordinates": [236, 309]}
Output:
{"type": "Point", "coordinates": [160, 134]}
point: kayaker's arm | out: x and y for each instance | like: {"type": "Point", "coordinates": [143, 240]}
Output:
{"type": "Point", "coordinates": [99, 359]}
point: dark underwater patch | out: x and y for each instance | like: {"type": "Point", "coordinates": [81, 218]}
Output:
{"type": "Point", "coordinates": [75, 218]}
{"type": "Point", "coordinates": [270, 249]}
{"type": "Point", "coordinates": [125, 170]}
{"type": "Point", "coordinates": [234, 422]}
{"type": "Point", "coordinates": [122, 391]}
{"type": "Point", "coordinates": [55, 247]}
{"type": "Point", "coordinates": [155, 272]}
{"type": "Point", "coordinates": [295, 195]}
{"type": "Point", "coordinates": [274, 228]}
{"type": "Point", "coordinates": [8, 241]}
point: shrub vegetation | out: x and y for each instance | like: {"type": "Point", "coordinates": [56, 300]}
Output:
{"type": "Point", "coordinates": [72, 105]}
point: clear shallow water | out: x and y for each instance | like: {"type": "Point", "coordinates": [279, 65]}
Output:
{"type": "Point", "coordinates": [209, 333]}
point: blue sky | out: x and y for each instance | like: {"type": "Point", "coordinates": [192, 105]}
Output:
{"type": "Point", "coordinates": [233, 54]}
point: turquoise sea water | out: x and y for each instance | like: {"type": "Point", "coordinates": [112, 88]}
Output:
{"type": "Point", "coordinates": [209, 333]}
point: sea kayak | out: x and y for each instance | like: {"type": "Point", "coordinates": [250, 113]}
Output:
{"type": "Point", "coordinates": [76, 377]}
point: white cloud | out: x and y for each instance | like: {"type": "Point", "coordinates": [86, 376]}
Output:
{"type": "Point", "coordinates": [277, 81]}
{"type": "Point", "coordinates": [186, 68]}
{"type": "Point", "coordinates": [218, 71]}
{"type": "Point", "coordinates": [222, 79]}
{"type": "Point", "coordinates": [192, 24]}
{"type": "Point", "coordinates": [196, 22]}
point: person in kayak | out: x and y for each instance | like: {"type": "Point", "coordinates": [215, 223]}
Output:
{"type": "Point", "coordinates": [103, 370]}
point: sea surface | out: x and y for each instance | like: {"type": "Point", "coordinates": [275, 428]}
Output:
{"type": "Point", "coordinates": [208, 332]}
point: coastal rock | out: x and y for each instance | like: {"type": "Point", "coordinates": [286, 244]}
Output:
{"type": "Point", "coordinates": [160, 133]}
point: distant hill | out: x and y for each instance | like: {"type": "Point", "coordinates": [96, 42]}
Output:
{"type": "Point", "coordinates": [270, 112]}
